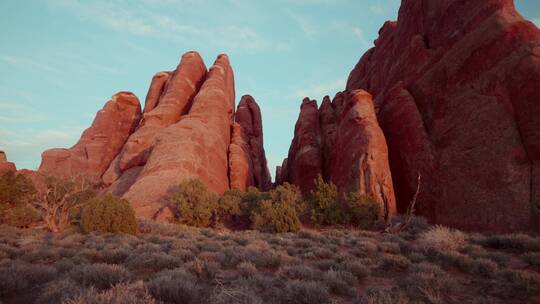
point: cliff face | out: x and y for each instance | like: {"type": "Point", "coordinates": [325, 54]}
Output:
{"type": "Point", "coordinates": [184, 133]}
{"type": "Point", "coordinates": [341, 141]}
{"type": "Point", "coordinates": [6, 166]}
{"type": "Point", "coordinates": [456, 90]}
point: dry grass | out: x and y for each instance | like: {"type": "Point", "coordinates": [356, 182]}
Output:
{"type": "Point", "coordinates": [174, 264]}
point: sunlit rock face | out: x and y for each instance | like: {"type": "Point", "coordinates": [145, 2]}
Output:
{"type": "Point", "coordinates": [187, 130]}
{"type": "Point", "coordinates": [456, 92]}
{"type": "Point", "coordinates": [5, 165]}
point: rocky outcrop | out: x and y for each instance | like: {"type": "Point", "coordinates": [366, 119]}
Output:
{"type": "Point", "coordinates": [247, 158]}
{"type": "Point", "coordinates": [6, 166]}
{"type": "Point", "coordinates": [343, 142]}
{"type": "Point", "coordinates": [456, 88]}
{"type": "Point", "coordinates": [304, 161]}
{"type": "Point", "coordinates": [194, 147]}
{"type": "Point", "coordinates": [187, 131]}
{"type": "Point", "coordinates": [165, 105]}
{"type": "Point", "coordinates": [99, 144]}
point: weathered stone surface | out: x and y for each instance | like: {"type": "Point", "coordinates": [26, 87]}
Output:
{"type": "Point", "coordinates": [194, 147]}
{"type": "Point", "coordinates": [304, 161]}
{"type": "Point", "coordinates": [456, 88]}
{"type": "Point", "coordinates": [359, 159]}
{"type": "Point", "coordinates": [248, 117]}
{"type": "Point", "coordinates": [240, 163]}
{"type": "Point", "coordinates": [6, 166]}
{"type": "Point", "coordinates": [175, 102]}
{"type": "Point", "coordinates": [99, 144]}
{"type": "Point", "coordinates": [158, 87]}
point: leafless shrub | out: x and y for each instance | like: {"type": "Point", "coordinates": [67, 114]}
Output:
{"type": "Point", "coordinates": [246, 269]}
{"type": "Point", "coordinates": [123, 293]}
{"type": "Point", "coordinates": [340, 282]}
{"type": "Point", "coordinates": [305, 292]}
{"type": "Point", "coordinates": [99, 275]}
{"type": "Point", "coordinates": [442, 238]}
{"type": "Point", "coordinates": [301, 272]}
{"type": "Point", "coordinates": [175, 286]}
{"type": "Point", "coordinates": [59, 291]}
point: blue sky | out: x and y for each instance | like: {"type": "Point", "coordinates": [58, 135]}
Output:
{"type": "Point", "coordinates": [61, 60]}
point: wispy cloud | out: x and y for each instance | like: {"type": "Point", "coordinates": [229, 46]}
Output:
{"type": "Point", "coordinates": [16, 113]}
{"type": "Point", "coordinates": [27, 62]}
{"type": "Point", "coordinates": [378, 9]}
{"type": "Point", "coordinates": [306, 25]}
{"type": "Point", "coordinates": [141, 20]}
{"type": "Point", "coordinates": [536, 21]}
{"type": "Point", "coordinates": [24, 147]}
{"type": "Point", "coordinates": [318, 91]}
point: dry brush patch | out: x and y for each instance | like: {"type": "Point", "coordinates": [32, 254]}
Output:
{"type": "Point", "coordinates": [178, 264]}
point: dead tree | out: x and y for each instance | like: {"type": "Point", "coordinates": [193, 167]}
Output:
{"type": "Point", "coordinates": [60, 199]}
{"type": "Point", "coordinates": [399, 227]}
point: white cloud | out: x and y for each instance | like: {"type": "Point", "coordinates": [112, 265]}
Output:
{"type": "Point", "coordinates": [536, 21]}
{"type": "Point", "coordinates": [377, 9]}
{"type": "Point", "coordinates": [307, 26]}
{"type": "Point", "coordinates": [17, 113]}
{"type": "Point", "coordinates": [24, 147]}
{"type": "Point", "coordinates": [360, 34]}
{"type": "Point", "coordinates": [23, 61]}
{"type": "Point", "coordinates": [141, 20]}
{"type": "Point", "coordinates": [318, 91]}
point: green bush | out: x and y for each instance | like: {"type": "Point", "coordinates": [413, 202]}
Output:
{"type": "Point", "coordinates": [280, 212]}
{"type": "Point", "coordinates": [229, 206]}
{"type": "Point", "coordinates": [16, 192]}
{"type": "Point", "coordinates": [323, 201]}
{"type": "Point", "coordinates": [21, 216]}
{"type": "Point", "coordinates": [197, 206]}
{"type": "Point", "coordinates": [15, 189]}
{"type": "Point", "coordinates": [362, 210]}
{"type": "Point", "coordinates": [108, 214]}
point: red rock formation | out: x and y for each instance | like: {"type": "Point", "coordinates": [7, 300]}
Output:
{"type": "Point", "coordinates": [345, 145]}
{"type": "Point", "coordinates": [304, 162]}
{"type": "Point", "coordinates": [99, 144]}
{"type": "Point", "coordinates": [194, 147]}
{"type": "Point", "coordinates": [158, 87]}
{"type": "Point", "coordinates": [359, 159]}
{"type": "Point", "coordinates": [240, 163]}
{"type": "Point", "coordinates": [247, 150]}
{"type": "Point", "coordinates": [6, 166]}
{"type": "Point", "coordinates": [175, 101]}
{"type": "Point", "coordinates": [456, 85]}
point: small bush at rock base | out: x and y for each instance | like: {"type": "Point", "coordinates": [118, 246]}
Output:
{"type": "Point", "coordinates": [108, 214]}
{"type": "Point", "coordinates": [197, 206]}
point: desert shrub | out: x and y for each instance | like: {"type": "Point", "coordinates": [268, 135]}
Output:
{"type": "Point", "coordinates": [340, 282]}
{"type": "Point", "coordinates": [196, 205]}
{"type": "Point", "coordinates": [109, 214]}
{"type": "Point", "coordinates": [442, 238]}
{"type": "Point", "coordinates": [155, 261]}
{"type": "Point", "coordinates": [59, 291]}
{"type": "Point", "coordinates": [246, 269]}
{"type": "Point", "coordinates": [520, 243]}
{"type": "Point", "coordinates": [229, 206]}
{"type": "Point", "coordinates": [533, 259]}
{"type": "Point", "coordinates": [251, 199]}
{"type": "Point", "coordinates": [21, 216]}
{"type": "Point", "coordinates": [390, 247]}
{"type": "Point", "coordinates": [99, 275]}
{"type": "Point", "coordinates": [203, 269]}
{"type": "Point", "coordinates": [362, 211]}
{"type": "Point", "coordinates": [484, 267]}
{"type": "Point", "coordinates": [18, 276]}
{"type": "Point", "coordinates": [429, 285]}
{"type": "Point", "coordinates": [280, 212]}
{"type": "Point", "coordinates": [383, 296]}
{"type": "Point", "coordinates": [394, 262]}
{"type": "Point", "coordinates": [15, 189]}
{"type": "Point", "coordinates": [323, 202]}
{"type": "Point", "coordinates": [234, 295]}
{"type": "Point", "coordinates": [175, 286]}
{"type": "Point", "coordinates": [305, 292]}
{"type": "Point", "coordinates": [301, 272]}
{"type": "Point", "coordinates": [357, 268]}
{"type": "Point", "coordinates": [518, 284]}
{"type": "Point", "coordinates": [123, 293]}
